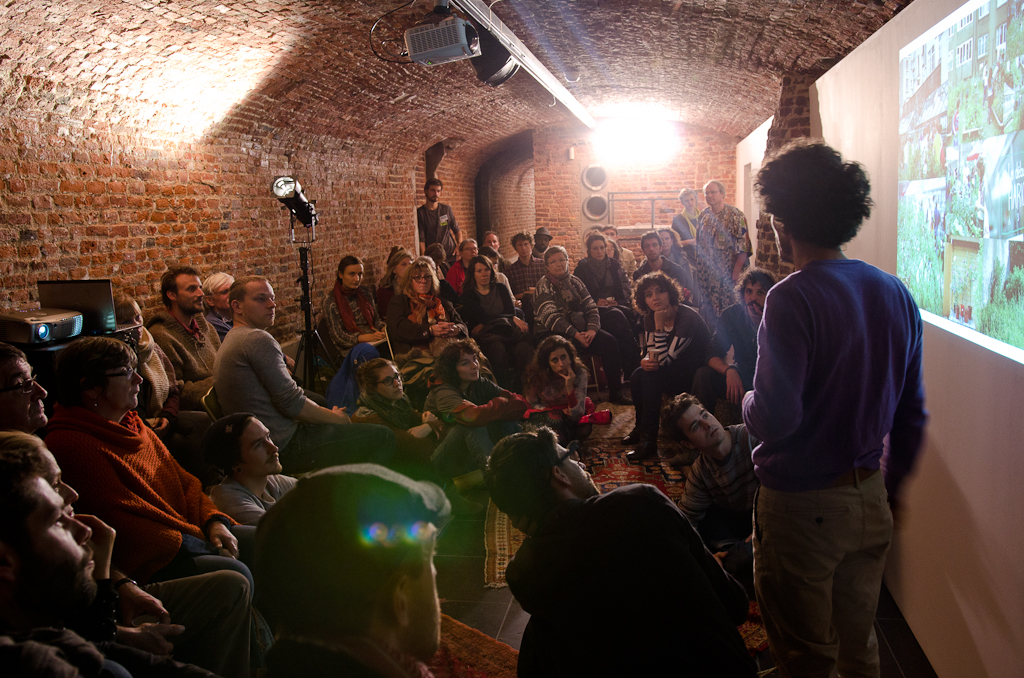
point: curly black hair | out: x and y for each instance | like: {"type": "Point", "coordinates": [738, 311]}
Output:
{"type": "Point", "coordinates": [445, 364]}
{"type": "Point", "coordinates": [820, 199]}
{"type": "Point", "coordinates": [655, 279]}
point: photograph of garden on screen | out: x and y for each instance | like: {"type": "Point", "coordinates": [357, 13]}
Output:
{"type": "Point", "coordinates": [960, 242]}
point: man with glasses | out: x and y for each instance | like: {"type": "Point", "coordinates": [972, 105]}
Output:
{"type": "Point", "coordinates": [577, 572]}
{"type": "Point", "coordinates": [21, 396]}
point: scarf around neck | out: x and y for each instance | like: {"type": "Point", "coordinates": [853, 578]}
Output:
{"type": "Point", "coordinates": [341, 296]}
{"type": "Point", "coordinates": [399, 413]}
{"type": "Point", "coordinates": [426, 308]}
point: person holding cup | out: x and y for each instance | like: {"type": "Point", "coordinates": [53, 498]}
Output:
{"type": "Point", "coordinates": [677, 341]}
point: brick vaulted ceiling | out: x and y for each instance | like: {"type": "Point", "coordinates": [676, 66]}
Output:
{"type": "Point", "coordinates": [302, 73]}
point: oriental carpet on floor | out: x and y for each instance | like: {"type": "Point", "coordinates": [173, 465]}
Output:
{"type": "Point", "coordinates": [605, 458]}
{"type": "Point", "coordinates": [466, 653]}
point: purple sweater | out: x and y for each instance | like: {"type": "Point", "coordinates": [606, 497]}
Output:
{"type": "Point", "coordinates": [838, 368]}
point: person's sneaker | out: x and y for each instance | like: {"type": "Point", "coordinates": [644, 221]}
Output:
{"type": "Point", "coordinates": [633, 437]}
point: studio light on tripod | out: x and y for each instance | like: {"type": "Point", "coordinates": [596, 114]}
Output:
{"type": "Point", "coordinates": [289, 192]}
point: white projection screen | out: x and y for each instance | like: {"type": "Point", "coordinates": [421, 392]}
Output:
{"type": "Point", "coordinates": [961, 171]}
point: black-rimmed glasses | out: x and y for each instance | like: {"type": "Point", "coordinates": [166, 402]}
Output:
{"type": "Point", "coordinates": [127, 373]}
{"type": "Point", "coordinates": [390, 381]}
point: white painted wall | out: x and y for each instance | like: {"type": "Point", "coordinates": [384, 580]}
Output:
{"type": "Point", "coordinates": [750, 151]}
{"type": "Point", "coordinates": [957, 565]}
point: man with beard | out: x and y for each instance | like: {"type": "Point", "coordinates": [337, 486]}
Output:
{"type": "Point", "coordinates": [435, 221]}
{"type": "Point", "coordinates": [736, 329]}
{"type": "Point", "coordinates": [577, 571]}
{"type": "Point", "coordinates": [184, 334]}
{"type": "Point", "coordinates": [55, 570]}
{"type": "Point", "coordinates": [347, 561]}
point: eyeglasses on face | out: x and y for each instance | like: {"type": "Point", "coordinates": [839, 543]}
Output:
{"type": "Point", "coordinates": [390, 381]}
{"type": "Point", "coordinates": [127, 373]}
{"type": "Point", "coordinates": [26, 386]}
{"type": "Point", "coordinates": [421, 278]}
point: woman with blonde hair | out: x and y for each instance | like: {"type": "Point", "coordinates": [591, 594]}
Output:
{"type": "Point", "coordinates": [397, 263]}
{"type": "Point", "coordinates": [420, 324]}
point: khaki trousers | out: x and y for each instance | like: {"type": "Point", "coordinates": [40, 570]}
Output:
{"type": "Point", "coordinates": [818, 561]}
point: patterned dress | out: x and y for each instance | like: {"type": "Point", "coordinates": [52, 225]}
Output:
{"type": "Point", "coordinates": [720, 239]}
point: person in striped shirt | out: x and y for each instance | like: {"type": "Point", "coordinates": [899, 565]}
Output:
{"type": "Point", "coordinates": [718, 498]}
{"type": "Point", "coordinates": [677, 341]}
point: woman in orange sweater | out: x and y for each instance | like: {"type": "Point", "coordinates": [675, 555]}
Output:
{"type": "Point", "coordinates": [167, 528]}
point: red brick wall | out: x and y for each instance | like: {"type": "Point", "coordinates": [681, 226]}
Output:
{"type": "Point", "coordinates": [559, 191]}
{"type": "Point", "coordinates": [512, 204]}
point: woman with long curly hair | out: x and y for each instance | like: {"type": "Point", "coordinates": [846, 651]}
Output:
{"type": "Point", "coordinates": [556, 388]}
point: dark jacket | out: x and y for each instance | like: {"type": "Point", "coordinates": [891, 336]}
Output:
{"type": "Point", "coordinates": [403, 333]}
{"type": "Point", "coordinates": [473, 312]}
{"type": "Point", "coordinates": [622, 292]}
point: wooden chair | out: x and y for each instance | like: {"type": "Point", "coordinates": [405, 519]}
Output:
{"type": "Point", "coordinates": [212, 405]}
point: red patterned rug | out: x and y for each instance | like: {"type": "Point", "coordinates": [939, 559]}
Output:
{"type": "Point", "coordinates": [467, 653]}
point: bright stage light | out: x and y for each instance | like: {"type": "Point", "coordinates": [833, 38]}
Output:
{"type": "Point", "coordinates": [636, 141]}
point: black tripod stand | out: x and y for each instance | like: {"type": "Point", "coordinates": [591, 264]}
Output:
{"type": "Point", "coordinates": [311, 347]}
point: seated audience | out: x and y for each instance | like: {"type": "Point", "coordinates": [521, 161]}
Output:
{"type": "Point", "coordinates": [490, 313]}
{"type": "Point", "coordinates": [736, 329]}
{"type": "Point", "coordinates": [460, 270]}
{"type": "Point", "coordinates": [215, 300]}
{"type": "Point", "coordinates": [576, 573]}
{"type": "Point", "coordinates": [525, 271]}
{"type": "Point", "coordinates": [492, 241]}
{"type": "Point", "coordinates": [556, 388]}
{"type": "Point", "coordinates": [444, 288]}
{"type": "Point", "coordinates": [677, 343]}
{"type": "Point", "coordinates": [189, 341]}
{"type": "Point", "coordinates": [21, 396]}
{"type": "Point", "coordinates": [159, 395]}
{"type": "Point", "coordinates": [250, 376]}
{"type": "Point", "coordinates": [240, 446]}
{"type": "Point", "coordinates": [346, 559]}
{"type": "Point", "coordinates": [685, 224]}
{"type": "Point", "coordinates": [718, 497]}
{"type": "Point", "coordinates": [623, 255]}
{"type": "Point", "coordinates": [651, 244]}
{"type": "Point", "coordinates": [419, 319]}
{"type": "Point", "coordinates": [387, 287]}
{"type": "Point", "coordinates": [478, 411]}
{"type": "Point", "coordinates": [168, 528]}
{"type": "Point", "coordinates": [671, 249]}
{"type": "Point", "coordinates": [495, 258]}
{"type": "Point", "coordinates": [606, 281]}
{"type": "Point", "coordinates": [420, 438]}
{"type": "Point", "coordinates": [88, 596]}
{"type": "Point", "coordinates": [350, 311]}
{"type": "Point", "coordinates": [565, 307]}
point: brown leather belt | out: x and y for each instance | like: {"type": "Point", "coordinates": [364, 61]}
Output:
{"type": "Point", "coordinates": [861, 474]}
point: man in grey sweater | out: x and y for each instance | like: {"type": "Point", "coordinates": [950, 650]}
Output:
{"type": "Point", "coordinates": [250, 375]}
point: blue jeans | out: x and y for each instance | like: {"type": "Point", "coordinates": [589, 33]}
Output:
{"type": "Point", "coordinates": [467, 448]}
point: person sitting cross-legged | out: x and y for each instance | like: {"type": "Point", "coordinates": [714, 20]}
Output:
{"type": "Point", "coordinates": [564, 306]}
{"type": "Point", "coordinates": [240, 445]}
{"type": "Point", "coordinates": [718, 497]}
{"type": "Point", "coordinates": [576, 574]}
{"type": "Point", "coordinates": [677, 342]}
{"type": "Point", "coordinates": [250, 376]}
{"type": "Point", "coordinates": [478, 411]}
{"type": "Point", "coordinates": [556, 388]}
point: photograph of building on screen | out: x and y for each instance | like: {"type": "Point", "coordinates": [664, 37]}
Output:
{"type": "Point", "coordinates": [960, 246]}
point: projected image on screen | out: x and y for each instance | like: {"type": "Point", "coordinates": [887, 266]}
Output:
{"type": "Point", "coordinates": [961, 169]}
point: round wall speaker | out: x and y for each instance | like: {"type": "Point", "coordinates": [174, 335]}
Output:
{"type": "Point", "coordinates": [594, 177]}
{"type": "Point", "coordinates": [595, 207]}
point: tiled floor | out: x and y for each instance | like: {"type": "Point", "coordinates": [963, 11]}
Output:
{"type": "Point", "coordinates": [460, 567]}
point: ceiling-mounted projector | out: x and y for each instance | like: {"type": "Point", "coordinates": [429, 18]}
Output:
{"type": "Point", "coordinates": [438, 43]}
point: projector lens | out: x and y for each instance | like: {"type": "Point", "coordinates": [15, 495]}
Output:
{"type": "Point", "coordinates": [43, 332]}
